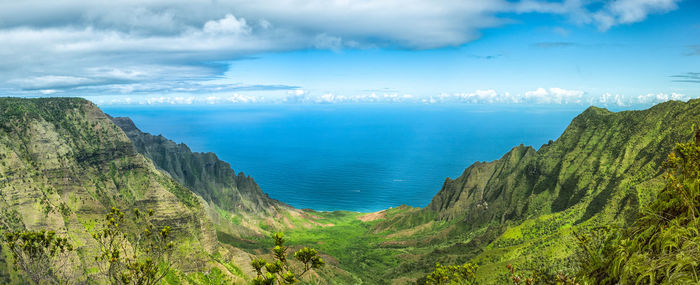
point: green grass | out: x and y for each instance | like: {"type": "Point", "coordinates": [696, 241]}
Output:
{"type": "Point", "coordinates": [349, 241]}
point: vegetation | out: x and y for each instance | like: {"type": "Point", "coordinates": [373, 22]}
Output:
{"type": "Point", "coordinates": [133, 257]}
{"type": "Point", "coordinates": [40, 256]}
{"type": "Point", "coordinates": [202, 173]}
{"type": "Point", "coordinates": [350, 241]}
{"type": "Point", "coordinates": [64, 163]}
{"type": "Point", "coordinates": [663, 245]}
{"type": "Point", "coordinates": [538, 276]}
{"type": "Point", "coordinates": [452, 274]}
{"type": "Point", "coordinates": [126, 257]}
{"type": "Point", "coordinates": [280, 271]}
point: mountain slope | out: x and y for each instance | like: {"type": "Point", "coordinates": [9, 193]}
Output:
{"type": "Point", "coordinates": [238, 206]}
{"type": "Point", "coordinates": [204, 173]}
{"type": "Point", "coordinates": [242, 214]}
{"type": "Point", "coordinates": [601, 157]}
{"type": "Point", "coordinates": [64, 164]}
{"type": "Point", "coordinates": [523, 207]}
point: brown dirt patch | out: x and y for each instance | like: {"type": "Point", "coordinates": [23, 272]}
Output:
{"type": "Point", "coordinates": [373, 216]}
{"type": "Point", "coordinates": [411, 231]}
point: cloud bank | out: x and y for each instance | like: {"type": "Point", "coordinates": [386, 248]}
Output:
{"type": "Point", "coordinates": [129, 45]}
{"type": "Point", "coordinates": [539, 96]}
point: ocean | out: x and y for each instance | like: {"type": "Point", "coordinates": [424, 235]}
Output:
{"type": "Point", "coordinates": [364, 157]}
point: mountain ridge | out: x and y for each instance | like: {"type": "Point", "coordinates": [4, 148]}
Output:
{"type": "Point", "coordinates": [523, 207]}
{"type": "Point", "coordinates": [534, 174]}
{"type": "Point", "coordinates": [65, 165]}
{"type": "Point", "coordinates": [64, 162]}
{"type": "Point", "coordinates": [203, 172]}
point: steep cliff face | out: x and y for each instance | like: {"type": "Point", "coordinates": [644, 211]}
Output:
{"type": "Point", "coordinates": [475, 195]}
{"type": "Point", "coordinates": [603, 162]}
{"type": "Point", "coordinates": [523, 207]}
{"type": "Point", "coordinates": [211, 178]}
{"type": "Point", "coordinates": [242, 214]}
{"type": "Point", "coordinates": [64, 164]}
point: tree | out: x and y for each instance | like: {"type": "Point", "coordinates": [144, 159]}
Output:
{"type": "Point", "coordinates": [280, 271]}
{"type": "Point", "coordinates": [133, 257]}
{"type": "Point", "coordinates": [40, 256]}
{"type": "Point", "coordinates": [451, 274]}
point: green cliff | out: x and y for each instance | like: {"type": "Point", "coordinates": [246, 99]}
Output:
{"type": "Point", "coordinates": [243, 215]}
{"type": "Point", "coordinates": [212, 179]}
{"type": "Point", "coordinates": [523, 207]}
{"type": "Point", "coordinates": [238, 207]}
{"type": "Point", "coordinates": [64, 164]}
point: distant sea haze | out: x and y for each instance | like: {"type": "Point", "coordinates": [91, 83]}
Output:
{"type": "Point", "coordinates": [352, 157]}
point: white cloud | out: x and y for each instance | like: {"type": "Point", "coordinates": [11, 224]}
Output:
{"type": "Point", "coordinates": [479, 96]}
{"type": "Point", "coordinates": [327, 98]}
{"type": "Point", "coordinates": [554, 96]}
{"type": "Point", "coordinates": [296, 96]}
{"type": "Point", "coordinates": [134, 45]}
{"type": "Point", "coordinates": [608, 99]}
{"type": "Point", "coordinates": [604, 14]}
{"type": "Point", "coordinates": [48, 91]}
{"type": "Point", "coordinates": [648, 99]}
{"type": "Point", "coordinates": [236, 98]}
{"type": "Point", "coordinates": [410, 23]}
{"type": "Point", "coordinates": [227, 25]}
{"type": "Point", "coordinates": [539, 96]}
{"type": "Point", "coordinates": [631, 11]}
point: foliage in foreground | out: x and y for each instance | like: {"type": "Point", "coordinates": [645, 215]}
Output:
{"type": "Point", "coordinates": [451, 274]}
{"type": "Point", "coordinates": [663, 245]}
{"type": "Point", "coordinates": [133, 257]}
{"type": "Point", "coordinates": [538, 276]}
{"type": "Point", "coordinates": [280, 271]}
{"type": "Point", "coordinates": [125, 256]}
{"type": "Point", "coordinates": [40, 255]}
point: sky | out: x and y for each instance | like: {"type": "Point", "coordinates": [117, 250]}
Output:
{"type": "Point", "coordinates": [623, 53]}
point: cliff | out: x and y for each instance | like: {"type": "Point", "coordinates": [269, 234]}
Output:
{"type": "Point", "coordinates": [203, 173]}
{"type": "Point", "coordinates": [601, 159]}
{"type": "Point", "coordinates": [64, 164]}
{"type": "Point", "coordinates": [523, 207]}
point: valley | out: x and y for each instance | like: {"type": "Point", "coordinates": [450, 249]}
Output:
{"type": "Point", "coordinates": [65, 164]}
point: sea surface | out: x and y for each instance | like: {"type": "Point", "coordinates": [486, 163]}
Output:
{"type": "Point", "coordinates": [352, 157]}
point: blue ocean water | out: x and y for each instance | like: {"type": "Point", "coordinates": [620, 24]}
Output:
{"type": "Point", "coordinates": [352, 157]}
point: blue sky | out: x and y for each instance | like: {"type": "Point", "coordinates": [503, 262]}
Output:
{"type": "Point", "coordinates": [621, 53]}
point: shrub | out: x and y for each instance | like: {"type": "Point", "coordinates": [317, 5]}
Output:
{"type": "Point", "coordinates": [451, 274]}
{"type": "Point", "coordinates": [128, 257]}
{"type": "Point", "coordinates": [39, 256]}
{"type": "Point", "coordinates": [280, 271]}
